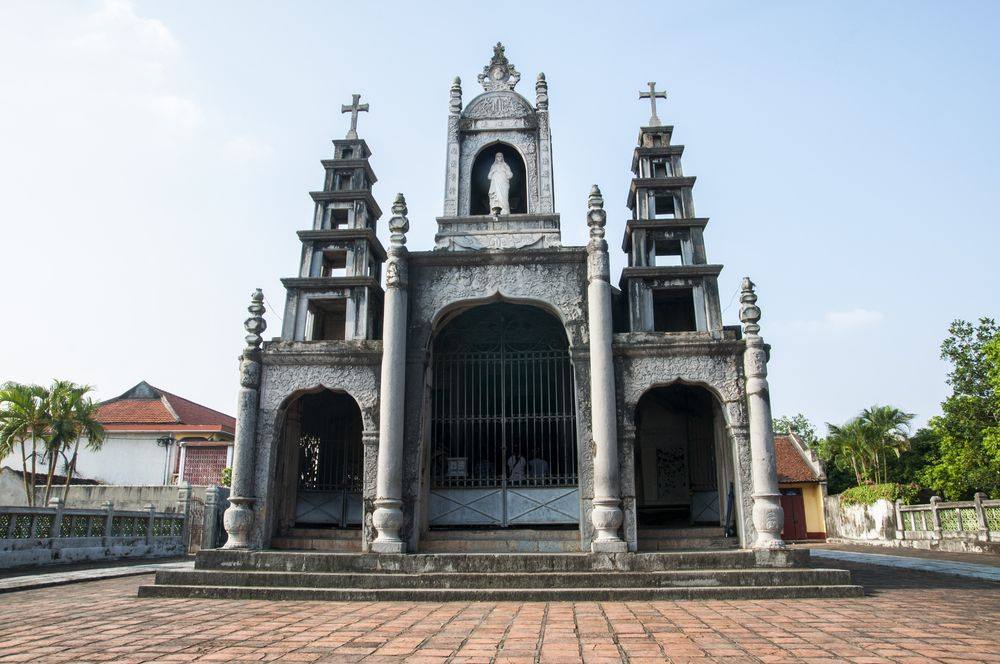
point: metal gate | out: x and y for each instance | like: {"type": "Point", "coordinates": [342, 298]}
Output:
{"type": "Point", "coordinates": [330, 465]}
{"type": "Point", "coordinates": [503, 426]}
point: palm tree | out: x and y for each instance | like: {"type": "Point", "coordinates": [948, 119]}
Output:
{"type": "Point", "coordinates": [851, 440]}
{"type": "Point", "coordinates": [889, 431]}
{"type": "Point", "coordinates": [24, 417]}
{"type": "Point", "coordinates": [84, 413]}
{"type": "Point", "coordinates": [62, 396]}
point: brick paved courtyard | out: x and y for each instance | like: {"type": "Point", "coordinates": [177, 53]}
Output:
{"type": "Point", "coordinates": [908, 617]}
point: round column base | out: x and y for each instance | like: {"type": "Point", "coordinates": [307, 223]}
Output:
{"type": "Point", "coordinates": [237, 520]}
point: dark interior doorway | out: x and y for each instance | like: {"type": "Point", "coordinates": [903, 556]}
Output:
{"type": "Point", "coordinates": [676, 481]}
{"type": "Point", "coordinates": [323, 469]}
{"type": "Point", "coordinates": [479, 202]}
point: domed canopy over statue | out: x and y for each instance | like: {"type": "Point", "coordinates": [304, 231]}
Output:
{"type": "Point", "coordinates": [500, 176]}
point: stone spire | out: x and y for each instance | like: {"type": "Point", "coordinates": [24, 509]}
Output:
{"type": "Point", "coordinates": [542, 93]}
{"type": "Point", "coordinates": [455, 101]}
{"type": "Point", "coordinates": [749, 311]}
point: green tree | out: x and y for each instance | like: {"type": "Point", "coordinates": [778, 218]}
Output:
{"type": "Point", "coordinates": [868, 445]}
{"type": "Point", "coordinates": [24, 420]}
{"type": "Point", "coordinates": [888, 429]}
{"type": "Point", "coordinates": [798, 424]}
{"type": "Point", "coordinates": [968, 429]}
{"type": "Point", "coordinates": [73, 416]}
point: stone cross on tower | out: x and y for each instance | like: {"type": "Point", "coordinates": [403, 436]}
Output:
{"type": "Point", "coordinates": [353, 109]}
{"type": "Point", "coordinates": [653, 93]}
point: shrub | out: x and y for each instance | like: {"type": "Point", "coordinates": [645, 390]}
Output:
{"type": "Point", "coordinates": [226, 478]}
{"type": "Point", "coordinates": [866, 494]}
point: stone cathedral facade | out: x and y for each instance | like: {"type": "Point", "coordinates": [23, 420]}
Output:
{"type": "Point", "coordinates": [502, 382]}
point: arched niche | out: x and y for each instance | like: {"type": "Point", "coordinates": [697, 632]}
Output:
{"type": "Point", "coordinates": [479, 202]}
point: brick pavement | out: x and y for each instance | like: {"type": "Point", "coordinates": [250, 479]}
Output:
{"type": "Point", "coordinates": [908, 617]}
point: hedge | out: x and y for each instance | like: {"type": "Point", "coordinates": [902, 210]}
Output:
{"type": "Point", "coordinates": [866, 494]}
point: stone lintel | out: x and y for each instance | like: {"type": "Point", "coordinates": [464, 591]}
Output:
{"type": "Point", "coordinates": [322, 353]}
{"type": "Point", "coordinates": [644, 344]}
{"type": "Point", "coordinates": [319, 283]}
{"type": "Point", "coordinates": [349, 195]}
{"type": "Point", "coordinates": [679, 271]}
{"type": "Point", "coordinates": [338, 234]}
{"type": "Point", "coordinates": [499, 257]}
{"type": "Point", "coordinates": [659, 224]}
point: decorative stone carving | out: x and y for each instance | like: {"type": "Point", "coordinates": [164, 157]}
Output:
{"type": "Point", "coordinates": [498, 105]}
{"type": "Point", "coordinates": [499, 74]}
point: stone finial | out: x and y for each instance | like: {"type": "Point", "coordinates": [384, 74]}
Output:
{"type": "Point", "coordinates": [398, 224]}
{"type": "Point", "coordinates": [499, 74]}
{"type": "Point", "coordinates": [541, 93]}
{"type": "Point", "coordinates": [255, 324]}
{"type": "Point", "coordinates": [749, 311]}
{"type": "Point", "coordinates": [455, 103]}
{"type": "Point", "coordinates": [354, 108]}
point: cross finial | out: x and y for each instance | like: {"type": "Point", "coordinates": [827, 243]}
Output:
{"type": "Point", "coordinates": [354, 108]}
{"type": "Point", "coordinates": [652, 95]}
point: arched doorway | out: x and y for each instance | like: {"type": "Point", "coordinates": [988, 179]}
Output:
{"type": "Point", "coordinates": [322, 462]}
{"type": "Point", "coordinates": [479, 203]}
{"type": "Point", "coordinates": [681, 462]}
{"type": "Point", "coordinates": [503, 422]}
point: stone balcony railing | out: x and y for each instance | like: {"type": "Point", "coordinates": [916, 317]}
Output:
{"type": "Point", "coordinates": [43, 535]}
{"type": "Point", "coordinates": [975, 520]}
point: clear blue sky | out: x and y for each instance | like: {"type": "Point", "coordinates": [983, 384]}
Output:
{"type": "Point", "coordinates": [155, 160]}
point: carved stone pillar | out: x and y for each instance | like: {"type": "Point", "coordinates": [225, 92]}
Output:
{"type": "Point", "coordinates": [606, 514]}
{"type": "Point", "coordinates": [388, 516]}
{"type": "Point", "coordinates": [768, 516]}
{"type": "Point", "coordinates": [454, 150]}
{"type": "Point", "coordinates": [238, 518]}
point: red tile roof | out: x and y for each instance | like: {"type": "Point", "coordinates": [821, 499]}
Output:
{"type": "Point", "coordinates": [792, 467]}
{"type": "Point", "coordinates": [145, 407]}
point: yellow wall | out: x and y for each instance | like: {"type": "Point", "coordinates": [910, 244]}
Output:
{"type": "Point", "coordinates": [812, 498]}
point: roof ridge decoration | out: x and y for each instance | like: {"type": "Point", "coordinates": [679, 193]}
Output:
{"type": "Point", "coordinates": [499, 74]}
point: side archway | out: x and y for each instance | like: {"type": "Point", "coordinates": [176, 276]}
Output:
{"type": "Point", "coordinates": [682, 462]}
{"type": "Point", "coordinates": [320, 462]}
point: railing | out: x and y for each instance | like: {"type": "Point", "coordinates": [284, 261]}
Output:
{"type": "Point", "coordinates": [977, 519]}
{"type": "Point", "coordinates": [38, 535]}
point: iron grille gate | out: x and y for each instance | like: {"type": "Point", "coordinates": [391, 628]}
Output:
{"type": "Point", "coordinates": [503, 424]}
{"type": "Point", "coordinates": [330, 470]}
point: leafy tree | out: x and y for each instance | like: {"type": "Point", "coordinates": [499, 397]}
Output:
{"type": "Point", "coordinates": [24, 420]}
{"type": "Point", "coordinates": [968, 429]}
{"type": "Point", "coordinates": [85, 425]}
{"type": "Point", "coordinates": [798, 424]}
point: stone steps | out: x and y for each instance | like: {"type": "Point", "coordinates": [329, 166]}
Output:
{"type": "Point", "coordinates": [500, 594]}
{"type": "Point", "coordinates": [305, 575]}
{"type": "Point", "coordinates": [306, 561]}
{"type": "Point", "coordinates": [489, 581]}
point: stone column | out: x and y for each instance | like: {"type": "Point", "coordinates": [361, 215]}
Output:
{"type": "Point", "coordinates": [454, 150]}
{"type": "Point", "coordinates": [388, 515]}
{"type": "Point", "coordinates": [606, 515]}
{"type": "Point", "coordinates": [768, 517]}
{"type": "Point", "coordinates": [238, 518]}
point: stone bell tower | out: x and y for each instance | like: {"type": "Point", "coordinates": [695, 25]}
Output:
{"type": "Point", "coordinates": [337, 295]}
{"type": "Point", "coordinates": [498, 121]}
{"type": "Point", "coordinates": [671, 287]}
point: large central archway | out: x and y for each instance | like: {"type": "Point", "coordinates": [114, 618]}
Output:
{"type": "Point", "coordinates": [503, 422]}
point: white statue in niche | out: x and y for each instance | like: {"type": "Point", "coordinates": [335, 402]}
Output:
{"type": "Point", "coordinates": [500, 175]}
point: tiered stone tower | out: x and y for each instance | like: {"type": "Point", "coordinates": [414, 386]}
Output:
{"type": "Point", "coordinates": [670, 285]}
{"type": "Point", "coordinates": [337, 295]}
